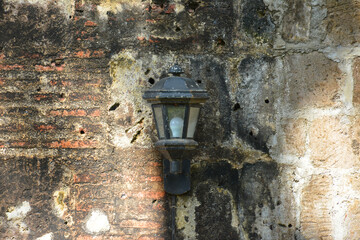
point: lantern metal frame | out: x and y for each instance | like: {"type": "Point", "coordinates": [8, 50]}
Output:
{"type": "Point", "coordinates": [176, 91]}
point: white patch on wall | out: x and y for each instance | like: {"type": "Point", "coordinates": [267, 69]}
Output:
{"type": "Point", "coordinates": [185, 209]}
{"type": "Point", "coordinates": [96, 222]}
{"type": "Point", "coordinates": [18, 212]}
{"type": "Point", "coordinates": [16, 215]}
{"type": "Point", "coordinates": [48, 236]}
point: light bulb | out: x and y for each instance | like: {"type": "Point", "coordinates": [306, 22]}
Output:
{"type": "Point", "coordinates": [176, 126]}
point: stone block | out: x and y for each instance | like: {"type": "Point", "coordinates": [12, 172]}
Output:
{"type": "Point", "coordinates": [313, 81]}
{"type": "Point", "coordinates": [353, 220]}
{"type": "Point", "coordinates": [331, 144]}
{"type": "Point", "coordinates": [356, 80]}
{"type": "Point", "coordinates": [315, 208]}
{"type": "Point", "coordinates": [294, 139]}
{"type": "Point", "coordinates": [352, 217]}
{"type": "Point", "coordinates": [256, 96]}
{"type": "Point", "coordinates": [296, 22]}
{"type": "Point", "coordinates": [342, 22]}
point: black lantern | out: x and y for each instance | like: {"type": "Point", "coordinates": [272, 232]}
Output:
{"type": "Point", "coordinates": [176, 103]}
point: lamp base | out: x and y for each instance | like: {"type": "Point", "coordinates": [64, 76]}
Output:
{"type": "Point", "coordinates": [176, 182]}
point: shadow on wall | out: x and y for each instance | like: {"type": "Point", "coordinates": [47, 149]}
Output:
{"type": "Point", "coordinates": [230, 203]}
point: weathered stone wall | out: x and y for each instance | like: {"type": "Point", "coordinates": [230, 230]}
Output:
{"type": "Point", "coordinates": [278, 154]}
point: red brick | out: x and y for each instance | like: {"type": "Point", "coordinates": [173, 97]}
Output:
{"type": "Point", "coordinates": [89, 23]}
{"type": "Point", "coordinates": [83, 206]}
{"type": "Point", "coordinates": [47, 97]}
{"type": "Point", "coordinates": [94, 113]}
{"type": "Point", "coordinates": [148, 194]}
{"type": "Point", "coordinates": [72, 144]}
{"type": "Point", "coordinates": [151, 238]}
{"type": "Point", "coordinates": [90, 128]}
{"type": "Point", "coordinates": [90, 54]}
{"type": "Point", "coordinates": [20, 144]}
{"type": "Point", "coordinates": [11, 67]}
{"type": "Point", "coordinates": [85, 178]}
{"type": "Point", "coordinates": [154, 179]}
{"type": "Point", "coordinates": [75, 112]}
{"type": "Point", "coordinates": [85, 97]}
{"type": "Point", "coordinates": [52, 67]}
{"type": "Point", "coordinates": [43, 127]}
{"type": "Point", "coordinates": [140, 224]}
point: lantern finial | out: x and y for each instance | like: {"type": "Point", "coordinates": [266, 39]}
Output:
{"type": "Point", "coordinates": [176, 70]}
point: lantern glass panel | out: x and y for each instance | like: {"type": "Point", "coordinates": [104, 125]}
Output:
{"type": "Point", "coordinates": [159, 120]}
{"type": "Point", "coordinates": [193, 118]}
{"type": "Point", "coordinates": [175, 120]}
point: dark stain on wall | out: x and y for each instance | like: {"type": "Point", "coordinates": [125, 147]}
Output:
{"type": "Point", "coordinates": [256, 19]}
{"type": "Point", "coordinates": [213, 76]}
{"type": "Point", "coordinates": [255, 193]}
{"type": "Point", "coordinates": [214, 185]}
{"type": "Point", "coordinates": [27, 25]}
{"type": "Point", "coordinates": [33, 180]}
{"type": "Point", "coordinates": [256, 97]}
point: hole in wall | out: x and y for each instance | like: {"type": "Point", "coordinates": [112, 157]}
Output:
{"type": "Point", "coordinates": [114, 106]}
{"type": "Point", "coordinates": [236, 106]}
{"type": "Point", "coordinates": [65, 222]}
{"type": "Point", "coordinates": [177, 29]}
{"type": "Point", "coordinates": [160, 2]}
{"type": "Point", "coordinates": [151, 81]}
{"type": "Point", "coordinates": [38, 89]}
{"type": "Point", "coordinates": [82, 131]}
{"type": "Point", "coordinates": [62, 95]}
{"type": "Point", "coordinates": [220, 42]}
{"type": "Point", "coordinates": [154, 201]}
{"type": "Point", "coordinates": [147, 71]}
{"type": "Point", "coordinates": [192, 5]}
{"type": "Point", "coordinates": [198, 81]}
{"type": "Point", "coordinates": [290, 225]}
{"type": "Point", "coordinates": [267, 101]}
{"type": "Point", "coordinates": [58, 62]}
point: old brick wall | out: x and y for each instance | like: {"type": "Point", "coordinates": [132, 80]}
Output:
{"type": "Point", "coordinates": [278, 154]}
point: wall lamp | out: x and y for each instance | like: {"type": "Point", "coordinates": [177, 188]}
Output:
{"type": "Point", "coordinates": [176, 103]}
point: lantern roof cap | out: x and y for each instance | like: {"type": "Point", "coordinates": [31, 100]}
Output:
{"type": "Point", "coordinates": [176, 87]}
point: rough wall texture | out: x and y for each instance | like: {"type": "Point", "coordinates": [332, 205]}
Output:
{"type": "Point", "coordinates": [279, 138]}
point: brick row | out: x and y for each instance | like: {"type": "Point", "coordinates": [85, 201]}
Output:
{"type": "Point", "coordinates": [92, 112]}
{"type": "Point", "coordinates": [129, 237]}
{"type": "Point", "coordinates": [11, 96]}
{"type": "Point", "coordinates": [151, 181]}
{"type": "Point", "coordinates": [66, 144]}
{"type": "Point", "coordinates": [78, 127]}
